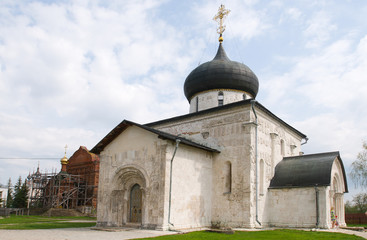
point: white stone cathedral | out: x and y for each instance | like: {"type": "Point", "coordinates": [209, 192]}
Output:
{"type": "Point", "coordinates": [230, 162]}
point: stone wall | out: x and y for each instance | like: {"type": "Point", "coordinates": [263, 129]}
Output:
{"type": "Point", "coordinates": [233, 132]}
{"type": "Point", "coordinates": [275, 141]}
{"type": "Point", "coordinates": [224, 130]}
{"type": "Point", "coordinates": [191, 188]}
{"type": "Point", "coordinates": [138, 156]}
{"type": "Point", "coordinates": [134, 157]}
{"type": "Point", "coordinates": [209, 99]}
{"type": "Point", "coordinates": [294, 207]}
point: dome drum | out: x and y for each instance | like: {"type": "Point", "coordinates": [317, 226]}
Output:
{"type": "Point", "coordinates": [216, 97]}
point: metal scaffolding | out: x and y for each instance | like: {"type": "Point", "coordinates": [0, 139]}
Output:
{"type": "Point", "coordinates": [61, 190]}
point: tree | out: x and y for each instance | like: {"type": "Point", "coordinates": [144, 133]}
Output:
{"type": "Point", "coordinates": [25, 192]}
{"type": "Point", "coordinates": [20, 194]}
{"type": "Point", "coordinates": [360, 202]}
{"type": "Point", "coordinates": [359, 168]}
{"type": "Point", "coordinates": [9, 197]}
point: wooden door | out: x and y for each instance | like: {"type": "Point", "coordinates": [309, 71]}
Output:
{"type": "Point", "coordinates": [135, 204]}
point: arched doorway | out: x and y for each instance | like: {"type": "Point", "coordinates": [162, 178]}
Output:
{"type": "Point", "coordinates": [135, 204]}
{"type": "Point", "coordinates": [130, 184]}
{"type": "Point", "coordinates": [336, 197]}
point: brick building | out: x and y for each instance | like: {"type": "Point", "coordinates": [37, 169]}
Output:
{"type": "Point", "coordinates": [86, 165]}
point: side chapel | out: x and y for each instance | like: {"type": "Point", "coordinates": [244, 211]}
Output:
{"type": "Point", "coordinates": [229, 162]}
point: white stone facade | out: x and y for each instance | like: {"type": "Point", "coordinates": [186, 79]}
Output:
{"type": "Point", "coordinates": [234, 132]}
{"type": "Point", "coordinates": [295, 207]}
{"type": "Point", "coordinates": [208, 188]}
{"type": "Point", "coordinates": [215, 98]}
{"type": "Point", "coordinates": [3, 196]}
{"type": "Point", "coordinates": [139, 157]}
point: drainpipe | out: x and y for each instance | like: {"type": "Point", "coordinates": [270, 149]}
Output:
{"type": "Point", "coordinates": [306, 140]}
{"type": "Point", "coordinates": [170, 182]}
{"type": "Point", "coordinates": [317, 206]}
{"type": "Point", "coordinates": [256, 161]}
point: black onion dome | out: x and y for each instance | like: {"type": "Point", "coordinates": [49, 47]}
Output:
{"type": "Point", "coordinates": [221, 73]}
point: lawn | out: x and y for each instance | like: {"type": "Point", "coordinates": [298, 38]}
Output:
{"type": "Point", "coordinates": [357, 225]}
{"type": "Point", "coordinates": [282, 234]}
{"type": "Point", "coordinates": [41, 222]}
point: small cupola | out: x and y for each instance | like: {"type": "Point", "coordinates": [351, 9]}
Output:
{"type": "Point", "coordinates": [64, 161]}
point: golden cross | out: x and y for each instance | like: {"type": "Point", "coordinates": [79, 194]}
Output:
{"type": "Point", "coordinates": [219, 17]}
{"type": "Point", "coordinates": [66, 146]}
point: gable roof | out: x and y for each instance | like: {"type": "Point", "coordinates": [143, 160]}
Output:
{"type": "Point", "coordinates": [163, 135]}
{"type": "Point", "coordinates": [227, 106]}
{"type": "Point", "coordinates": [306, 171]}
{"type": "Point", "coordinates": [82, 155]}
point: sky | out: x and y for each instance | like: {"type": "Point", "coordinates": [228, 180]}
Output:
{"type": "Point", "coordinates": [71, 70]}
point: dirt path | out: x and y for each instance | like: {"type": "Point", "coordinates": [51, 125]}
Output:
{"type": "Point", "coordinates": [90, 234]}
{"type": "Point", "coordinates": [78, 234]}
{"type": "Point", "coordinates": [357, 233]}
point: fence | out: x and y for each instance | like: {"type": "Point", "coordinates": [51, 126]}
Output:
{"type": "Point", "coordinates": [355, 218]}
{"type": "Point", "coordinates": [7, 211]}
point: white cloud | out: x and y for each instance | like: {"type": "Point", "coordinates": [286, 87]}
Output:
{"type": "Point", "coordinates": [100, 50]}
{"type": "Point", "coordinates": [330, 132]}
{"type": "Point", "coordinates": [331, 78]}
{"type": "Point", "coordinates": [71, 70]}
{"type": "Point", "coordinates": [319, 29]}
{"type": "Point", "coordinates": [290, 14]}
{"type": "Point", "coordinates": [325, 93]}
{"type": "Point", "coordinates": [294, 13]}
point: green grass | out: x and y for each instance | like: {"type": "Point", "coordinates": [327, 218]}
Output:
{"type": "Point", "coordinates": [282, 234]}
{"type": "Point", "coordinates": [71, 218]}
{"type": "Point", "coordinates": [48, 225]}
{"type": "Point", "coordinates": [41, 222]}
{"type": "Point", "coordinates": [23, 219]}
{"type": "Point", "coordinates": [357, 225]}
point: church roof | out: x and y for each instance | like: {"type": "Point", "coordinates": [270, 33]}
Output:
{"type": "Point", "coordinates": [82, 154]}
{"type": "Point", "coordinates": [163, 135]}
{"type": "Point", "coordinates": [306, 171]}
{"type": "Point", "coordinates": [226, 106]}
{"type": "Point", "coordinates": [221, 73]}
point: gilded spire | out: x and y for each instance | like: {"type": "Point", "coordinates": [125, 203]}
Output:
{"type": "Point", "coordinates": [64, 160]}
{"type": "Point", "coordinates": [219, 17]}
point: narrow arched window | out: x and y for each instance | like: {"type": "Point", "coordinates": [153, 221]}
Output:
{"type": "Point", "coordinates": [262, 176]}
{"type": "Point", "coordinates": [227, 177]}
{"type": "Point", "coordinates": [282, 150]}
{"type": "Point", "coordinates": [197, 104]}
{"type": "Point", "coordinates": [244, 96]}
{"type": "Point", "coordinates": [220, 98]}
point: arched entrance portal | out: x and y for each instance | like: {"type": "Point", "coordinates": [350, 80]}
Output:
{"type": "Point", "coordinates": [135, 204]}
{"type": "Point", "coordinates": [130, 182]}
{"type": "Point", "coordinates": [337, 195]}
